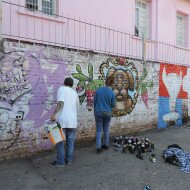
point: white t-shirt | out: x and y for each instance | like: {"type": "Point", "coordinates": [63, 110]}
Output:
{"type": "Point", "coordinates": [67, 116]}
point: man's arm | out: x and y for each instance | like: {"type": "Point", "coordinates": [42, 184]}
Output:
{"type": "Point", "coordinates": [59, 105]}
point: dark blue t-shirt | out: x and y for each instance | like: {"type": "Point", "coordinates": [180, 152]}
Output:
{"type": "Point", "coordinates": [104, 99]}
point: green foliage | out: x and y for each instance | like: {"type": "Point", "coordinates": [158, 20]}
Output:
{"type": "Point", "coordinates": [90, 70]}
{"type": "Point", "coordinates": [80, 77]}
{"type": "Point", "coordinates": [81, 98]}
{"type": "Point", "coordinates": [93, 85]}
{"type": "Point", "coordinates": [85, 82]}
{"type": "Point", "coordinates": [78, 68]}
{"type": "Point", "coordinates": [82, 84]}
{"type": "Point", "coordinates": [143, 86]}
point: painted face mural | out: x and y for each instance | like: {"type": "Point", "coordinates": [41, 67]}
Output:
{"type": "Point", "coordinates": [172, 96]}
{"type": "Point", "coordinates": [125, 84]}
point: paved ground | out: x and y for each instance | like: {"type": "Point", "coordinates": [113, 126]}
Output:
{"type": "Point", "coordinates": [110, 170]}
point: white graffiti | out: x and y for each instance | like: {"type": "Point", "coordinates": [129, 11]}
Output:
{"type": "Point", "coordinates": [49, 101]}
{"type": "Point", "coordinates": [173, 84]}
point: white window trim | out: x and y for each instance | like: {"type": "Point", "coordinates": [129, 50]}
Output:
{"type": "Point", "coordinates": [40, 7]}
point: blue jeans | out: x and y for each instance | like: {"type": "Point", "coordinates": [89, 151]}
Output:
{"type": "Point", "coordinates": [102, 124]}
{"type": "Point", "coordinates": [63, 158]}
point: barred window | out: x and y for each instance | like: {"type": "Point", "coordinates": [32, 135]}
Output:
{"type": "Point", "coordinates": [32, 4]}
{"type": "Point", "coordinates": [46, 6]}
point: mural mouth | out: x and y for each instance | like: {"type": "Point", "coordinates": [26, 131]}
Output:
{"type": "Point", "coordinates": [120, 97]}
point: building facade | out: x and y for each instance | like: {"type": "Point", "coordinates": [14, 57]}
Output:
{"type": "Point", "coordinates": [144, 44]}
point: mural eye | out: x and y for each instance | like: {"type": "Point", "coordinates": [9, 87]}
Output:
{"type": "Point", "coordinates": [120, 76]}
{"type": "Point", "coordinates": [115, 82]}
{"type": "Point", "coordinates": [124, 82]}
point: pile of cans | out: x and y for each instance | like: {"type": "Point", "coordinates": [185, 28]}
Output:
{"type": "Point", "coordinates": [134, 145]}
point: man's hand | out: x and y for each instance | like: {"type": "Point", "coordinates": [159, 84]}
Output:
{"type": "Point", "coordinates": [53, 118]}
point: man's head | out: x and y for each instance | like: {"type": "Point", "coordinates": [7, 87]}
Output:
{"type": "Point", "coordinates": [68, 82]}
{"type": "Point", "coordinates": [109, 81]}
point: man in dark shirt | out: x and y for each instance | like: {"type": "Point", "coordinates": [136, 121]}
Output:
{"type": "Point", "coordinates": [104, 101]}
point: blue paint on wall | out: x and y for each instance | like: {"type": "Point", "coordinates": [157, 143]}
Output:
{"type": "Point", "coordinates": [179, 110]}
{"type": "Point", "coordinates": [163, 108]}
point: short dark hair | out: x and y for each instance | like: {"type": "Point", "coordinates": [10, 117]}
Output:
{"type": "Point", "coordinates": [109, 81]}
{"type": "Point", "coordinates": [68, 82]}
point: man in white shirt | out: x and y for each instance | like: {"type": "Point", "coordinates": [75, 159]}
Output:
{"type": "Point", "coordinates": [66, 111]}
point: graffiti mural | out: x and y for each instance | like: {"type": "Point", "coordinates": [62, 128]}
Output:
{"type": "Point", "coordinates": [87, 85]}
{"type": "Point", "coordinates": [172, 95]}
{"type": "Point", "coordinates": [15, 93]}
{"type": "Point", "coordinates": [186, 88]}
{"type": "Point", "coordinates": [144, 86]}
{"type": "Point", "coordinates": [125, 85]}
{"type": "Point", "coordinates": [29, 80]}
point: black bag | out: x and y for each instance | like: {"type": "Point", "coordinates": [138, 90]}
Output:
{"type": "Point", "coordinates": [174, 146]}
{"type": "Point", "coordinates": [172, 159]}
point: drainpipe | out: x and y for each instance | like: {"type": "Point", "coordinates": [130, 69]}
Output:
{"type": "Point", "coordinates": [156, 32]}
{"type": "Point", "coordinates": [144, 50]}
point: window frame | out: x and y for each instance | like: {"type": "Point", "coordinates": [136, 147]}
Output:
{"type": "Point", "coordinates": [39, 7]}
{"type": "Point", "coordinates": [183, 35]}
{"type": "Point", "coordinates": [140, 11]}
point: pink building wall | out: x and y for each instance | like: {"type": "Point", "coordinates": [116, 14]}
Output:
{"type": "Point", "coordinates": [22, 24]}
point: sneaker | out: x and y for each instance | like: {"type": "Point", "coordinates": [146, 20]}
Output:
{"type": "Point", "coordinates": [56, 164]}
{"type": "Point", "coordinates": [98, 150]}
{"type": "Point", "coordinates": [104, 147]}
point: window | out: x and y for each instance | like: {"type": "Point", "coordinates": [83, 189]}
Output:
{"type": "Point", "coordinates": [180, 30]}
{"type": "Point", "coordinates": [141, 18]}
{"type": "Point", "coordinates": [46, 6]}
{"type": "Point", "coordinates": [32, 4]}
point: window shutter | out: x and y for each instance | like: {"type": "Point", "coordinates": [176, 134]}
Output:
{"type": "Point", "coordinates": [141, 19]}
{"type": "Point", "coordinates": [143, 23]}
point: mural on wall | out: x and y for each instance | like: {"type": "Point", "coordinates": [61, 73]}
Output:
{"type": "Point", "coordinates": [173, 84]}
{"type": "Point", "coordinates": [144, 86]}
{"type": "Point", "coordinates": [87, 85]}
{"type": "Point", "coordinates": [186, 88]}
{"type": "Point", "coordinates": [29, 80]}
{"type": "Point", "coordinates": [15, 93]}
{"type": "Point", "coordinates": [125, 85]}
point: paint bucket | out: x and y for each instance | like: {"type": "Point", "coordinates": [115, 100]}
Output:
{"type": "Point", "coordinates": [55, 132]}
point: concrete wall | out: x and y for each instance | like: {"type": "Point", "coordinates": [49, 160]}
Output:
{"type": "Point", "coordinates": [30, 77]}
{"type": "Point", "coordinates": [31, 74]}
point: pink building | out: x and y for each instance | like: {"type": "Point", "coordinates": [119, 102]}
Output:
{"type": "Point", "coordinates": [108, 26]}
{"type": "Point", "coordinates": [145, 44]}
